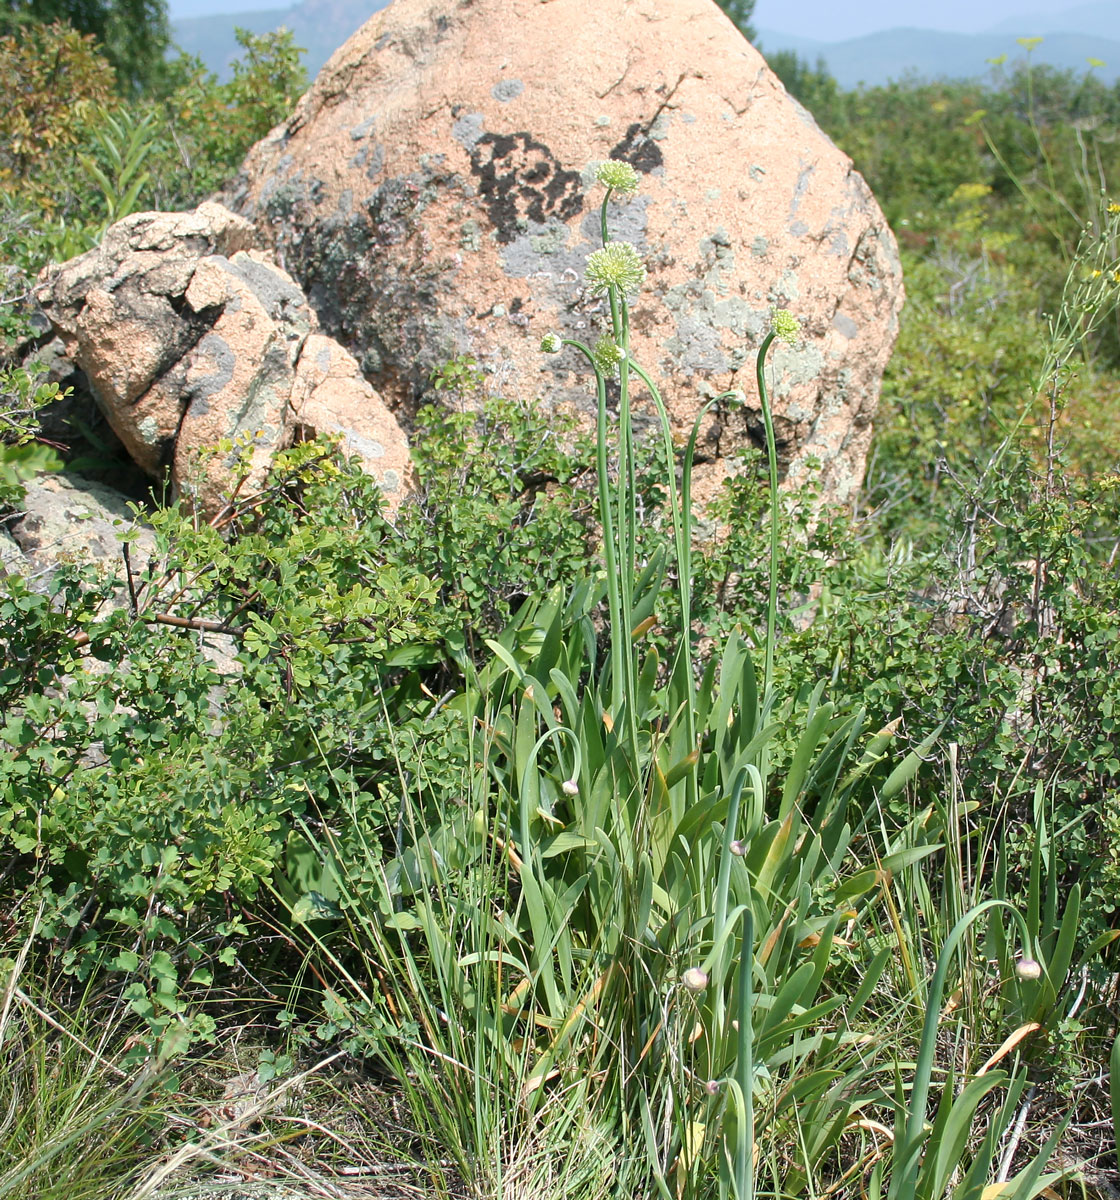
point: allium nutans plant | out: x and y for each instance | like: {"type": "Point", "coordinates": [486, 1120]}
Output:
{"type": "Point", "coordinates": [641, 910]}
{"type": "Point", "coordinates": [701, 887]}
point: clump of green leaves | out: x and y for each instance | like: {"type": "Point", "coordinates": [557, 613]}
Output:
{"type": "Point", "coordinates": [78, 156]}
{"type": "Point", "coordinates": [502, 509]}
{"type": "Point", "coordinates": [165, 724]}
{"type": "Point", "coordinates": [23, 393]}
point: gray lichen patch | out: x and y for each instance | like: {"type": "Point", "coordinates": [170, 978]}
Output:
{"type": "Point", "coordinates": [506, 90]}
{"type": "Point", "coordinates": [376, 162]}
{"type": "Point", "coordinates": [552, 240]}
{"type": "Point", "coordinates": [740, 319]}
{"type": "Point", "coordinates": [845, 325]}
{"type": "Point", "coordinates": [696, 347]}
{"type": "Point", "coordinates": [363, 129]}
{"type": "Point", "coordinates": [215, 352]}
{"type": "Point", "coordinates": [796, 367]}
{"type": "Point", "coordinates": [468, 129]}
{"type": "Point", "coordinates": [280, 298]}
{"type": "Point", "coordinates": [659, 129]}
{"type": "Point", "coordinates": [548, 248]}
{"type": "Point", "coordinates": [800, 188]}
{"type": "Point", "coordinates": [358, 444]}
{"type": "Point", "coordinates": [786, 290]}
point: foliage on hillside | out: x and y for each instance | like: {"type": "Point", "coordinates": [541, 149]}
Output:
{"type": "Point", "coordinates": [627, 863]}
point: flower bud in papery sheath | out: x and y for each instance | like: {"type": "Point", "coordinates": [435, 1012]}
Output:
{"type": "Point", "coordinates": [737, 848]}
{"type": "Point", "coordinates": [1028, 968]}
{"type": "Point", "coordinates": [620, 177]}
{"type": "Point", "coordinates": [570, 787]}
{"type": "Point", "coordinates": [608, 354]}
{"type": "Point", "coordinates": [618, 265]}
{"type": "Point", "coordinates": [694, 979]}
{"type": "Point", "coordinates": [785, 326]}
{"type": "Point", "coordinates": [551, 343]}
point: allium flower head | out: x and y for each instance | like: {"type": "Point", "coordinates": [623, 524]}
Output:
{"type": "Point", "coordinates": [616, 265]}
{"type": "Point", "coordinates": [620, 177]}
{"type": "Point", "coordinates": [785, 326]}
{"type": "Point", "coordinates": [570, 787]}
{"type": "Point", "coordinates": [1028, 968]}
{"type": "Point", "coordinates": [551, 343]}
{"type": "Point", "coordinates": [694, 979]}
{"type": "Point", "coordinates": [608, 354]}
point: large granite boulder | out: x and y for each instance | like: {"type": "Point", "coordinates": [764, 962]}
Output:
{"type": "Point", "coordinates": [431, 195]}
{"type": "Point", "coordinates": [189, 337]}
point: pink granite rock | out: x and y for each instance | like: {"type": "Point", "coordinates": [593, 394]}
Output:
{"type": "Point", "coordinates": [431, 196]}
{"type": "Point", "coordinates": [191, 339]}
{"type": "Point", "coordinates": [330, 396]}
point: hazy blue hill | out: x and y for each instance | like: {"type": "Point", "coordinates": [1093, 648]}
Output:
{"type": "Point", "coordinates": [212, 38]}
{"type": "Point", "coordinates": [1100, 18]}
{"type": "Point", "coordinates": [319, 26]}
{"type": "Point", "coordinates": [880, 57]}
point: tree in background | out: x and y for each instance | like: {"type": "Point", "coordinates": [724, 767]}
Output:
{"type": "Point", "coordinates": [740, 11]}
{"type": "Point", "coordinates": [134, 34]}
{"type": "Point", "coordinates": [812, 86]}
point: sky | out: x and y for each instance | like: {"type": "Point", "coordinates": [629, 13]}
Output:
{"type": "Point", "coordinates": [824, 20]}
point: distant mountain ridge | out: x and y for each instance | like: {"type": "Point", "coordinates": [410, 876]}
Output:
{"type": "Point", "coordinates": [878, 58]}
{"type": "Point", "coordinates": [1100, 18]}
{"type": "Point", "coordinates": [319, 26]}
{"type": "Point", "coordinates": [1092, 31]}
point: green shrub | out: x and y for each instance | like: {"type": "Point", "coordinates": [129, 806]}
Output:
{"type": "Point", "coordinates": [207, 127]}
{"type": "Point", "coordinates": [23, 393]}
{"type": "Point", "coordinates": [502, 510]}
{"type": "Point", "coordinates": [133, 33]}
{"type": "Point", "coordinates": [76, 157]}
{"type": "Point", "coordinates": [149, 784]}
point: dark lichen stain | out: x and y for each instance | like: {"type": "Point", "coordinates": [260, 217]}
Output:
{"type": "Point", "coordinates": [639, 150]}
{"type": "Point", "coordinates": [520, 179]}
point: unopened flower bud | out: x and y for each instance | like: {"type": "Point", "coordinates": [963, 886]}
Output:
{"type": "Point", "coordinates": [1028, 968]}
{"type": "Point", "coordinates": [694, 979]}
{"type": "Point", "coordinates": [737, 848]}
{"type": "Point", "coordinates": [551, 343]}
{"type": "Point", "coordinates": [570, 787]}
{"type": "Point", "coordinates": [712, 1087]}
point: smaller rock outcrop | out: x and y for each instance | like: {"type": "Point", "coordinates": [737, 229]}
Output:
{"type": "Point", "coordinates": [191, 339]}
{"type": "Point", "coordinates": [63, 519]}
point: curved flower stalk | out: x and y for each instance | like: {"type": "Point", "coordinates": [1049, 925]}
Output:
{"type": "Point", "coordinates": [785, 326]}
